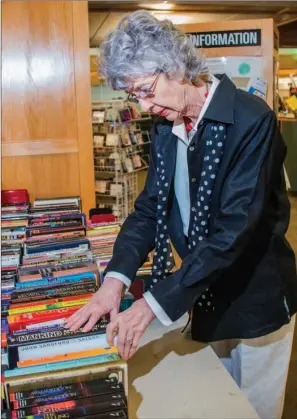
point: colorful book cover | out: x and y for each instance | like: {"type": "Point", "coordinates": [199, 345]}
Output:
{"type": "Point", "coordinates": [57, 366]}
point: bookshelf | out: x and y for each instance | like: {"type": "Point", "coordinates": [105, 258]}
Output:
{"type": "Point", "coordinates": [121, 151]}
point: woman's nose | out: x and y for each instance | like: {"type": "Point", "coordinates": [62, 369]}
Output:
{"type": "Point", "coordinates": [146, 105]}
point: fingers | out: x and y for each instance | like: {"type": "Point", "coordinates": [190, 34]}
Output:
{"type": "Point", "coordinates": [111, 331]}
{"type": "Point", "coordinates": [128, 344]}
{"type": "Point", "coordinates": [113, 313]}
{"type": "Point", "coordinates": [93, 318]}
{"type": "Point", "coordinates": [79, 319]}
{"type": "Point", "coordinates": [122, 333]}
{"type": "Point", "coordinates": [134, 346]}
{"type": "Point", "coordinates": [127, 339]}
{"type": "Point", "coordinates": [73, 318]}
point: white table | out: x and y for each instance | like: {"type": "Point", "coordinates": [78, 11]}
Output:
{"type": "Point", "coordinates": [172, 377]}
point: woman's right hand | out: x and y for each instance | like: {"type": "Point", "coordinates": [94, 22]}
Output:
{"type": "Point", "coordinates": [106, 301]}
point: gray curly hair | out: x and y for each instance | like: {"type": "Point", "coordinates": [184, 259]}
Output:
{"type": "Point", "coordinates": [142, 45]}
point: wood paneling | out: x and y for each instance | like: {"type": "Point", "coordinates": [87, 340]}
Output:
{"type": "Point", "coordinates": [83, 101]}
{"type": "Point", "coordinates": [44, 176]}
{"type": "Point", "coordinates": [44, 146]}
{"type": "Point", "coordinates": [46, 114]}
{"type": "Point", "coordinates": [38, 72]}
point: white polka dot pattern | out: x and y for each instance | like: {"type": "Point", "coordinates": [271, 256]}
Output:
{"type": "Point", "coordinates": [200, 215]}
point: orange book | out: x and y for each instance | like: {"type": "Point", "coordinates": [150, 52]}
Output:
{"type": "Point", "coordinates": [67, 357]}
{"type": "Point", "coordinates": [43, 307]}
{"type": "Point", "coordinates": [3, 340]}
{"type": "Point", "coordinates": [50, 301]}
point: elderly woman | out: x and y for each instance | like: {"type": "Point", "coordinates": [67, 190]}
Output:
{"type": "Point", "coordinates": [215, 189]}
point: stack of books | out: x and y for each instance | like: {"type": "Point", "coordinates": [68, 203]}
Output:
{"type": "Point", "coordinates": [14, 221]}
{"type": "Point", "coordinates": [89, 392]}
{"type": "Point", "coordinates": [56, 232]}
{"type": "Point", "coordinates": [102, 237]}
{"type": "Point", "coordinates": [99, 398]}
{"type": "Point", "coordinates": [58, 277]}
{"type": "Point", "coordinates": [51, 206]}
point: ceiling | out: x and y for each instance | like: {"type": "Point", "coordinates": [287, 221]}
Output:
{"type": "Point", "coordinates": [104, 15]}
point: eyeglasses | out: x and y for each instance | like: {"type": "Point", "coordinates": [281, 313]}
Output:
{"type": "Point", "coordinates": [145, 93]}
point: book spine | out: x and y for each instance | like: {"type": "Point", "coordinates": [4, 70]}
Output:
{"type": "Point", "coordinates": [30, 250]}
{"type": "Point", "coordinates": [57, 366]}
{"type": "Point", "coordinates": [58, 291]}
{"type": "Point", "coordinates": [82, 257]}
{"type": "Point", "coordinates": [49, 335]}
{"type": "Point", "coordinates": [56, 274]}
{"type": "Point", "coordinates": [63, 280]}
{"type": "Point", "coordinates": [66, 357]}
{"type": "Point", "coordinates": [18, 322]}
{"type": "Point", "coordinates": [92, 404]}
{"type": "Point", "coordinates": [49, 301]}
{"type": "Point", "coordinates": [80, 390]}
{"type": "Point", "coordinates": [108, 414]}
{"type": "Point", "coordinates": [44, 307]}
{"type": "Point", "coordinates": [51, 391]}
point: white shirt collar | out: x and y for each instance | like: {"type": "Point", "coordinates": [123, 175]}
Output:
{"type": "Point", "coordinates": [179, 128]}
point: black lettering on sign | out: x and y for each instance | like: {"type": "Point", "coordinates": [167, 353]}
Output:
{"type": "Point", "coordinates": [220, 39]}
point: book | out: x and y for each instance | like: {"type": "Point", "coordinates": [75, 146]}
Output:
{"type": "Point", "coordinates": [53, 342]}
{"type": "Point", "coordinates": [70, 408]}
{"type": "Point", "coordinates": [49, 306]}
{"type": "Point", "coordinates": [61, 388]}
{"type": "Point", "coordinates": [71, 279]}
{"type": "Point", "coordinates": [21, 321]}
{"type": "Point", "coordinates": [57, 366]}
{"type": "Point", "coordinates": [70, 392]}
{"type": "Point", "coordinates": [63, 357]}
{"type": "Point", "coordinates": [60, 291]}
{"type": "Point", "coordinates": [31, 304]}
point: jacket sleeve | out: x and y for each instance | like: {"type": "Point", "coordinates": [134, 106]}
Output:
{"type": "Point", "coordinates": [137, 236]}
{"type": "Point", "coordinates": [241, 204]}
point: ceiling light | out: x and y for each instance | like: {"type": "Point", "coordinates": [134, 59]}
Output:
{"type": "Point", "coordinates": [175, 19]}
{"type": "Point", "coordinates": [159, 6]}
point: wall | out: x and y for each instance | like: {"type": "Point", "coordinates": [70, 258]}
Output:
{"type": "Point", "coordinates": [46, 100]}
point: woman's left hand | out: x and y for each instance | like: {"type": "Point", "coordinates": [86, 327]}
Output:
{"type": "Point", "coordinates": [129, 326]}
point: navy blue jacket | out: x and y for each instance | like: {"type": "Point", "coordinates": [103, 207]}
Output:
{"type": "Point", "coordinates": [246, 260]}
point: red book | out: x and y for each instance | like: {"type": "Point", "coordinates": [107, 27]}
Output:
{"type": "Point", "coordinates": [102, 218]}
{"type": "Point", "coordinates": [21, 321]}
{"type": "Point", "coordinates": [14, 196]}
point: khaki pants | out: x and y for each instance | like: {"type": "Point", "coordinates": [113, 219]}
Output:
{"type": "Point", "coordinates": [260, 368]}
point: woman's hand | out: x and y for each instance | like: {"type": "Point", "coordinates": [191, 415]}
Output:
{"type": "Point", "coordinates": [106, 300]}
{"type": "Point", "coordinates": [129, 326]}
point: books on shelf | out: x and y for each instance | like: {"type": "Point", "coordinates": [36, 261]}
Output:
{"type": "Point", "coordinates": [121, 145]}
{"type": "Point", "coordinates": [47, 276]}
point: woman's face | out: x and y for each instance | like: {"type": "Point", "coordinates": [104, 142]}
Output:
{"type": "Point", "coordinates": [168, 95]}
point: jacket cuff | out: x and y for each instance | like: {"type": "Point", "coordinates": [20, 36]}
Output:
{"type": "Point", "coordinates": [120, 277]}
{"type": "Point", "coordinates": [174, 298]}
{"type": "Point", "coordinates": [157, 309]}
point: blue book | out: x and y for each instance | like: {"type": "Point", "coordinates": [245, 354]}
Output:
{"type": "Point", "coordinates": [54, 246]}
{"type": "Point", "coordinates": [56, 366]}
{"type": "Point", "coordinates": [62, 280]}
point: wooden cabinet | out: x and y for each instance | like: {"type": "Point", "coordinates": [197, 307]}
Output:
{"type": "Point", "coordinates": [46, 99]}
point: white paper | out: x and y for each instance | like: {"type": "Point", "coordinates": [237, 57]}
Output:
{"type": "Point", "coordinates": [239, 69]}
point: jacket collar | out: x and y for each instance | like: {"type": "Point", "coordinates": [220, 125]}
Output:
{"type": "Point", "coordinates": [221, 107]}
